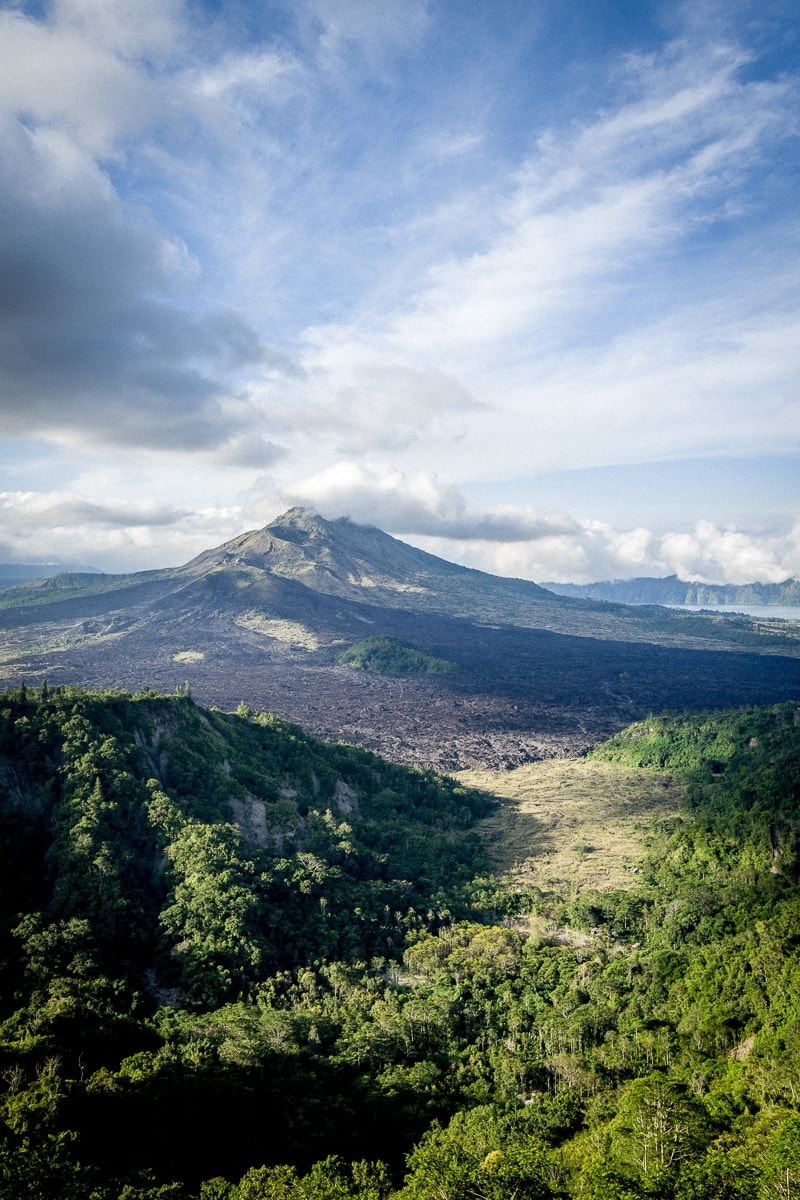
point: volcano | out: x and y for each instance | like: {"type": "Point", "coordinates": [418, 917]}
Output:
{"type": "Point", "coordinates": [266, 618]}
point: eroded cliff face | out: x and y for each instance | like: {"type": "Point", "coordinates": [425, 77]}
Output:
{"type": "Point", "coordinates": [25, 795]}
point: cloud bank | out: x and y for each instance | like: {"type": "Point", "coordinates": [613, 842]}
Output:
{"type": "Point", "coordinates": [105, 337]}
{"type": "Point", "coordinates": [518, 541]}
{"type": "Point", "coordinates": [543, 545]}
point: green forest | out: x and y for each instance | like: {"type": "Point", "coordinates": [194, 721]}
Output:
{"type": "Point", "coordinates": [385, 655]}
{"type": "Point", "coordinates": [238, 963]}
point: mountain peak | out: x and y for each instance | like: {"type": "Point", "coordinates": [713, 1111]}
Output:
{"type": "Point", "coordinates": [298, 516]}
{"type": "Point", "coordinates": [361, 562]}
{"type": "Point", "coordinates": [298, 524]}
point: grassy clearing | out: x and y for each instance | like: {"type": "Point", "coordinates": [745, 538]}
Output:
{"type": "Point", "coordinates": [570, 825]}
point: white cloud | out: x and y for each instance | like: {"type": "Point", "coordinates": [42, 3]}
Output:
{"type": "Point", "coordinates": [596, 551]}
{"type": "Point", "coordinates": [377, 494]}
{"type": "Point", "coordinates": [709, 554]}
{"type": "Point", "coordinates": [416, 503]}
{"type": "Point", "coordinates": [130, 28]}
{"type": "Point", "coordinates": [69, 73]}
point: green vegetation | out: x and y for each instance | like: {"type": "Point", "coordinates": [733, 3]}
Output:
{"type": "Point", "coordinates": [392, 656]}
{"type": "Point", "coordinates": [704, 747]}
{"type": "Point", "coordinates": [239, 964]}
{"type": "Point", "coordinates": [56, 588]}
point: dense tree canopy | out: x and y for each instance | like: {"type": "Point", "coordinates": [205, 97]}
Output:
{"type": "Point", "coordinates": [297, 948]}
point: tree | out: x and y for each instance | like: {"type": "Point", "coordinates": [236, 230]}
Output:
{"type": "Point", "coordinates": [658, 1127]}
{"type": "Point", "coordinates": [780, 1171]}
{"type": "Point", "coordinates": [480, 1155]}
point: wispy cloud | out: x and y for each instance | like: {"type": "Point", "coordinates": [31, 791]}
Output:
{"type": "Point", "coordinates": [33, 509]}
{"type": "Point", "coordinates": [373, 30]}
{"type": "Point", "coordinates": [266, 241]}
{"type": "Point", "coordinates": [52, 526]}
{"type": "Point", "coordinates": [573, 311]}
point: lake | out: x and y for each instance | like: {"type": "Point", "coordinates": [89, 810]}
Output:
{"type": "Point", "coordinates": [780, 612]}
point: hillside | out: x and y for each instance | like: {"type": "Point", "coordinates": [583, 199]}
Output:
{"type": "Point", "coordinates": [672, 590]}
{"type": "Point", "coordinates": [341, 558]}
{"type": "Point", "coordinates": [266, 619]}
{"type": "Point", "coordinates": [146, 772]}
{"type": "Point", "coordinates": [239, 964]}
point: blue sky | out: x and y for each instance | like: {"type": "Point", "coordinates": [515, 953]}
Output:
{"type": "Point", "coordinates": [516, 281]}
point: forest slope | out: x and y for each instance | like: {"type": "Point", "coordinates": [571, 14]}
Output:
{"type": "Point", "coordinates": [297, 949]}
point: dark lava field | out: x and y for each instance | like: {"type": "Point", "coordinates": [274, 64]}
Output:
{"type": "Point", "coordinates": [518, 695]}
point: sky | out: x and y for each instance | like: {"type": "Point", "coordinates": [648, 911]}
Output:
{"type": "Point", "coordinates": [518, 282]}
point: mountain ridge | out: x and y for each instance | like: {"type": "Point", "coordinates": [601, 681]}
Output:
{"type": "Point", "coordinates": [341, 557]}
{"type": "Point", "coordinates": [362, 563]}
{"type": "Point", "coordinates": [646, 589]}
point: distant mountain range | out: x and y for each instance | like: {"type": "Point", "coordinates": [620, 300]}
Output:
{"type": "Point", "coordinates": [268, 619]}
{"type": "Point", "coordinates": [672, 590]}
{"type": "Point", "coordinates": [12, 574]}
